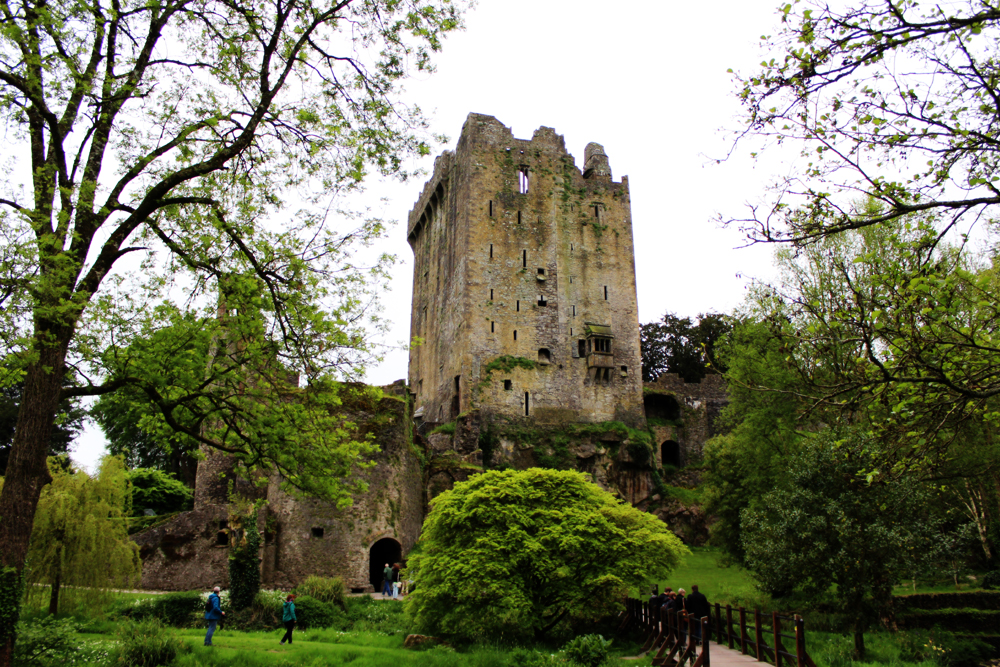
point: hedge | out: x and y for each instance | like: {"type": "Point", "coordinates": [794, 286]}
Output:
{"type": "Point", "coordinates": [955, 620]}
{"type": "Point", "coordinates": [970, 600]}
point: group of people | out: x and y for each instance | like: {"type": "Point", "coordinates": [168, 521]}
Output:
{"type": "Point", "coordinates": [391, 583]}
{"type": "Point", "coordinates": [214, 614]}
{"type": "Point", "coordinates": [695, 604]}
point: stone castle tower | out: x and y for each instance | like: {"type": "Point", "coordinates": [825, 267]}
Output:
{"type": "Point", "coordinates": [524, 265]}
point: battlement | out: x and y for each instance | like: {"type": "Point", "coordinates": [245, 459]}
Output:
{"type": "Point", "coordinates": [516, 249]}
{"type": "Point", "coordinates": [711, 386]}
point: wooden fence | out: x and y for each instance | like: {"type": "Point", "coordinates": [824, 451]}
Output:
{"type": "Point", "coordinates": [676, 636]}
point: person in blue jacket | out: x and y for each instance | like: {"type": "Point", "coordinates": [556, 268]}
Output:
{"type": "Point", "coordinates": [213, 614]}
{"type": "Point", "coordinates": [288, 618]}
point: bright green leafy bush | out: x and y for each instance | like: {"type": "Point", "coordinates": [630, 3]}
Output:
{"type": "Point", "coordinates": [588, 650]}
{"type": "Point", "coordinates": [516, 553]}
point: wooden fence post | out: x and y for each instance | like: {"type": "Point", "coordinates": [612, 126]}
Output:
{"type": "Point", "coordinates": [743, 630]}
{"type": "Point", "coordinates": [800, 642]}
{"type": "Point", "coordinates": [705, 627]}
{"type": "Point", "coordinates": [729, 624]}
{"type": "Point", "coordinates": [776, 630]}
{"type": "Point", "coordinates": [718, 623]}
{"type": "Point", "coordinates": [758, 635]}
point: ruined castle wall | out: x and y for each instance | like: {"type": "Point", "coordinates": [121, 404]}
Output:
{"type": "Point", "coordinates": [301, 537]}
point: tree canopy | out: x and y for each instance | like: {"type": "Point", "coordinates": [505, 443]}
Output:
{"type": "Point", "coordinates": [515, 553]}
{"type": "Point", "coordinates": [896, 101]}
{"type": "Point", "coordinates": [158, 144]}
{"type": "Point", "coordinates": [676, 345]}
{"type": "Point", "coordinates": [80, 536]}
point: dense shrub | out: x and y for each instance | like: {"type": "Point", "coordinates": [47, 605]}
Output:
{"type": "Point", "coordinates": [968, 620]}
{"type": "Point", "coordinates": [588, 650]}
{"type": "Point", "coordinates": [991, 581]}
{"type": "Point", "coordinates": [973, 599]}
{"type": "Point", "coordinates": [263, 614]}
{"type": "Point", "coordinates": [962, 651]}
{"type": "Point", "coordinates": [145, 644]}
{"type": "Point", "coordinates": [313, 613]}
{"type": "Point", "coordinates": [327, 589]}
{"type": "Point", "coordinates": [244, 558]}
{"type": "Point", "coordinates": [180, 610]}
{"type": "Point", "coordinates": [524, 657]}
{"type": "Point", "coordinates": [512, 554]}
{"type": "Point", "coordinates": [367, 614]}
{"type": "Point", "coordinates": [46, 640]}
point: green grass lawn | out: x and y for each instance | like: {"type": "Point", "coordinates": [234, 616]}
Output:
{"type": "Point", "coordinates": [718, 583]}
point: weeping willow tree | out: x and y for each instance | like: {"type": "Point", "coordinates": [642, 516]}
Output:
{"type": "Point", "coordinates": [80, 537]}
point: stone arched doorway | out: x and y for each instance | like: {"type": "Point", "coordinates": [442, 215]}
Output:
{"type": "Point", "coordinates": [661, 406]}
{"type": "Point", "coordinates": [386, 550]}
{"type": "Point", "coordinates": [670, 453]}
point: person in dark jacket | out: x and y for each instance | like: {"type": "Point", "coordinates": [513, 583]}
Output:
{"type": "Point", "coordinates": [387, 581]}
{"type": "Point", "coordinates": [697, 606]}
{"type": "Point", "coordinates": [288, 619]}
{"type": "Point", "coordinates": [213, 615]}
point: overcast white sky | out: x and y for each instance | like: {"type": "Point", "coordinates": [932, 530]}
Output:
{"type": "Point", "coordinates": [648, 80]}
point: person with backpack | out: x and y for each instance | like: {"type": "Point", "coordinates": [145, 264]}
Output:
{"type": "Point", "coordinates": [288, 618]}
{"type": "Point", "coordinates": [395, 581]}
{"type": "Point", "coordinates": [213, 614]}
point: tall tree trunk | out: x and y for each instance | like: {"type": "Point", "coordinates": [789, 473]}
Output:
{"type": "Point", "coordinates": [859, 643]}
{"type": "Point", "coordinates": [54, 596]}
{"type": "Point", "coordinates": [27, 470]}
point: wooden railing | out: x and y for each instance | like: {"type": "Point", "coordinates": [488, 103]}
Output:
{"type": "Point", "coordinates": [676, 636]}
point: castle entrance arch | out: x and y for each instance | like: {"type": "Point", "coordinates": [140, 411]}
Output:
{"type": "Point", "coordinates": [670, 453]}
{"type": "Point", "coordinates": [386, 550]}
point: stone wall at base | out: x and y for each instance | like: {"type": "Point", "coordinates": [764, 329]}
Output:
{"type": "Point", "coordinates": [183, 554]}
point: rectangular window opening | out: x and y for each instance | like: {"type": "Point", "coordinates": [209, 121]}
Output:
{"type": "Point", "coordinates": [542, 301]}
{"type": "Point", "coordinates": [574, 311]}
{"type": "Point", "coordinates": [493, 327]}
{"type": "Point", "coordinates": [517, 306]}
{"type": "Point", "coordinates": [507, 385]}
{"type": "Point", "coordinates": [515, 334]}
{"type": "Point", "coordinates": [526, 405]}
{"type": "Point", "coordinates": [605, 292]}
{"type": "Point", "coordinates": [582, 347]}
{"type": "Point", "coordinates": [491, 251]}
{"type": "Point", "coordinates": [491, 208]}
{"type": "Point", "coordinates": [541, 272]}
{"type": "Point", "coordinates": [491, 295]}
{"type": "Point", "coordinates": [571, 247]}
{"type": "Point", "coordinates": [624, 371]}
{"type": "Point", "coordinates": [522, 180]}
{"type": "Point", "coordinates": [524, 259]}
{"type": "Point", "coordinates": [518, 217]}
{"type": "Point", "coordinates": [317, 532]}
{"type": "Point", "coordinates": [597, 211]}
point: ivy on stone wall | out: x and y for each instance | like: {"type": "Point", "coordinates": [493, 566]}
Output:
{"type": "Point", "coordinates": [11, 591]}
{"type": "Point", "coordinates": [244, 557]}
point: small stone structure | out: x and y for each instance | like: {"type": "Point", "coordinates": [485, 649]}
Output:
{"type": "Point", "coordinates": [302, 537]}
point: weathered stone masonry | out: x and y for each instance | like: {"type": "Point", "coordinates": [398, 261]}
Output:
{"type": "Point", "coordinates": [519, 253]}
{"type": "Point", "coordinates": [524, 297]}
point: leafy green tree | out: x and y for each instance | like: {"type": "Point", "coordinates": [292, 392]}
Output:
{"type": "Point", "coordinates": [676, 345]}
{"type": "Point", "coordinates": [80, 536]}
{"type": "Point", "coordinates": [133, 426]}
{"type": "Point", "coordinates": [158, 491]}
{"type": "Point", "coordinates": [896, 101]}
{"type": "Point", "coordinates": [827, 526]}
{"type": "Point", "coordinates": [159, 139]}
{"type": "Point", "coordinates": [515, 553]}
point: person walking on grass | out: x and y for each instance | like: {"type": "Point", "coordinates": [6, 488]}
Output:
{"type": "Point", "coordinates": [288, 618]}
{"type": "Point", "coordinates": [213, 614]}
{"type": "Point", "coordinates": [387, 581]}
